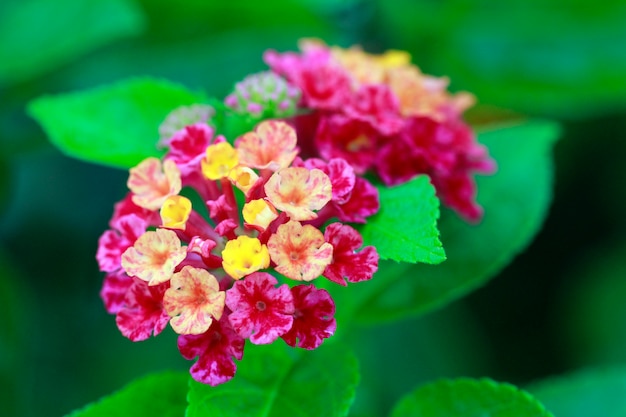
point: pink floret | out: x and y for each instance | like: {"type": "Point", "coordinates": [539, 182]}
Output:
{"type": "Point", "coordinates": [313, 321]}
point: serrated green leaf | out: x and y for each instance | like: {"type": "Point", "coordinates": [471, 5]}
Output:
{"type": "Point", "coordinates": [466, 397]}
{"type": "Point", "coordinates": [590, 392]}
{"type": "Point", "coordinates": [163, 394]}
{"type": "Point", "coordinates": [274, 381]}
{"type": "Point", "coordinates": [405, 228]}
{"type": "Point", "coordinates": [515, 200]}
{"type": "Point", "coordinates": [32, 43]}
{"type": "Point", "coordinates": [115, 124]}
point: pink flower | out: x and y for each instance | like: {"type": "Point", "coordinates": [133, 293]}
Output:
{"type": "Point", "coordinates": [215, 350]}
{"type": "Point", "coordinates": [378, 106]}
{"type": "Point", "coordinates": [356, 141]}
{"type": "Point", "coordinates": [142, 313]}
{"type": "Point", "coordinates": [260, 311]}
{"type": "Point", "coordinates": [113, 242]}
{"type": "Point", "coordinates": [114, 290]}
{"type": "Point", "coordinates": [347, 263]}
{"type": "Point", "coordinates": [313, 318]}
{"type": "Point", "coordinates": [362, 203]}
{"type": "Point", "coordinates": [188, 145]}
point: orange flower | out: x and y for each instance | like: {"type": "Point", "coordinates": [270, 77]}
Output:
{"type": "Point", "coordinates": [298, 191]}
{"type": "Point", "coordinates": [193, 300]}
{"type": "Point", "coordinates": [154, 256]}
{"type": "Point", "coordinates": [152, 183]}
{"type": "Point", "coordinates": [300, 252]}
{"type": "Point", "coordinates": [272, 146]}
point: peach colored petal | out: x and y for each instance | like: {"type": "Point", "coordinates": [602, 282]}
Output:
{"type": "Point", "coordinates": [272, 146]}
{"type": "Point", "coordinates": [154, 256]}
{"type": "Point", "coordinates": [300, 252]}
{"type": "Point", "coordinates": [152, 182]}
{"type": "Point", "coordinates": [193, 300]}
{"type": "Point", "coordinates": [298, 191]}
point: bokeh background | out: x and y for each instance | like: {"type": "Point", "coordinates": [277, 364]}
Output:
{"type": "Point", "coordinates": [558, 307]}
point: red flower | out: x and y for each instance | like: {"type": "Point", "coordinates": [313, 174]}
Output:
{"type": "Point", "coordinates": [143, 314]}
{"type": "Point", "coordinates": [260, 311]}
{"type": "Point", "coordinates": [188, 145]}
{"type": "Point", "coordinates": [215, 350]}
{"type": "Point", "coordinates": [348, 264]}
{"type": "Point", "coordinates": [313, 318]}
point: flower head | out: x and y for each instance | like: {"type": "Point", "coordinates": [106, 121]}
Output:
{"type": "Point", "coordinates": [193, 300]}
{"type": "Point", "coordinates": [154, 256]}
{"type": "Point", "coordinates": [300, 252]}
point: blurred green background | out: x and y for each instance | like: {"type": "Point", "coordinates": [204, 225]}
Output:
{"type": "Point", "coordinates": [558, 307]}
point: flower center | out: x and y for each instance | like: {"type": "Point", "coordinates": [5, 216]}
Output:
{"type": "Point", "coordinates": [260, 305]}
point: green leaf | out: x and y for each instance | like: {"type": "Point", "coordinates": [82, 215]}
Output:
{"type": "Point", "coordinates": [466, 397]}
{"type": "Point", "coordinates": [163, 394]}
{"type": "Point", "coordinates": [273, 380]}
{"type": "Point", "coordinates": [515, 200]}
{"type": "Point", "coordinates": [114, 125]}
{"type": "Point", "coordinates": [31, 42]}
{"type": "Point", "coordinates": [405, 228]}
{"type": "Point", "coordinates": [590, 392]}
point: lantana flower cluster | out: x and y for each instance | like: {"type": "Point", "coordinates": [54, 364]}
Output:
{"type": "Point", "coordinates": [382, 114]}
{"type": "Point", "coordinates": [225, 241]}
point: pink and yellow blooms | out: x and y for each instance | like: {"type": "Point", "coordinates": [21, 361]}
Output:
{"type": "Point", "coordinates": [223, 278]}
{"type": "Point", "coordinates": [270, 206]}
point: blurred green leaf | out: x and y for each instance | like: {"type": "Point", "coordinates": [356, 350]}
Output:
{"type": "Point", "coordinates": [594, 313]}
{"type": "Point", "coordinates": [273, 380]}
{"type": "Point", "coordinates": [405, 228]}
{"type": "Point", "coordinates": [557, 58]}
{"type": "Point", "coordinates": [39, 35]}
{"type": "Point", "coordinates": [591, 392]}
{"type": "Point", "coordinates": [466, 397]}
{"type": "Point", "coordinates": [163, 394]}
{"type": "Point", "coordinates": [114, 125]}
{"type": "Point", "coordinates": [515, 200]}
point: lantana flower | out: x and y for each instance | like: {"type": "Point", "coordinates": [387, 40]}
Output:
{"type": "Point", "coordinates": [218, 273]}
{"type": "Point", "coordinates": [385, 116]}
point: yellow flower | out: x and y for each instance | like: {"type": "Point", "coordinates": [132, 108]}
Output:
{"type": "Point", "coordinates": [259, 213]}
{"type": "Point", "coordinates": [244, 256]}
{"type": "Point", "coordinates": [220, 158]}
{"type": "Point", "coordinates": [175, 212]}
